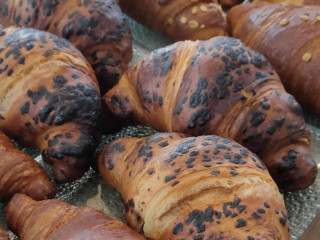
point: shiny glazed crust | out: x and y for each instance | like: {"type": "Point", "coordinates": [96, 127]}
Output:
{"type": "Point", "coordinates": [230, 3]}
{"type": "Point", "coordinates": [179, 19]}
{"type": "Point", "coordinates": [96, 27]}
{"type": "Point", "coordinates": [204, 187]}
{"type": "Point", "coordinates": [220, 87]}
{"type": "Point", "coordinates": [49, 99]}
{"type": "Point", "coordinates": [307, 2]}
{"type": "Point", "coordinates": [19, 173]}
{"type": "Point", "coordinates": [260, 25]}
{"type": "Point", "coordinates": [54, 219]}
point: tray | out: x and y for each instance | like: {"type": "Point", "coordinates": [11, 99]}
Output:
{"type": "Point", "coordinates": [93, 191]}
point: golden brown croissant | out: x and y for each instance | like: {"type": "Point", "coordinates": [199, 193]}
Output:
{"type": "Point", "coordinates": [54, 219]}
{"type": "Point", "coordinates": [97, 28]}
{"type": "Point", "coordinates": [3, 234]}
{"type": "Point", "coordinates": [307, 2]}
{"type": "Point", "coordinates": [204, 187]}
{"type": "Point", "coordinates": [49, 99]}
{"type": "Point", "coordinates": [19, 173]}
{"type": "Point", "coordinates": [219, 87]}
{"type": "Point", "coordinates": [270, 29]}
{"type": "Point", "coordinates": [179, 19]}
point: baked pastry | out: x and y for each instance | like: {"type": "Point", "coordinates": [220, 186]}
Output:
{"type": "Point", "coordinates": [97, 28]}
{"type": "Point", "coordinates": [54, 219]}
{"type": "Point", "coordinates": [260, 25]}
{"type": "Point", "coordinates": [204, 187]}
{"type": "Point", "coordinates": [3, 234]}
{"type": "Point", "coordinates": [179, 19]}
{"type": "Point", "coordinates": [219, 87]}
{"type": "Point", "coordinates": [230, 3]}
{"type": "Point", "coordinates": [19, 173]}
{"type": "Point", "coordinates": [307, 2]}
{"type": "Point", "coordinates": [49, 99]}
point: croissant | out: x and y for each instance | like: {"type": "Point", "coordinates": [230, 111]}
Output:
{"type": "Point", "coordinates": [219, 87]}
{"type": "Point", "coordinates": [230, 3]}
{"type": "Point", "coordinates": [260, 25]}
{"type": "Point", "coordinates": [49, 99]}
{"type": "Point", "coordinates": [307, 2]}
{"type": "Point", "coordinates": [97, 28]}
{"type": "Point", "coordinates": [204, 187]}
{"type": "Point", "coordinates": [19, 173]}
{"type": "Point", "coordinates": [179, 19]}
{"type": "Point", "coordinates": [54, 219]}
{"type": "Point", "coordinates": [3, 234]}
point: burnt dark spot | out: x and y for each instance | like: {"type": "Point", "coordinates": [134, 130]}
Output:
{"type": "Point", "coordinates": [241, 223]}
{"type": "Point", "coordinates": [257, 118]}
{"type": "Point", "coordinates": [189, 160]}
{"type": "Point", "coordinates": [233, 172]}
{"type": "Point", "coordinates": [150, 172]}
{"type": "Point", "coordinates": [21, 60]}
{"type": "Point", "coordinates": [178, 228]}
{"type": "Point", "coordinates": [59, 81]}
{"type": "Point", "coordinates": [288, 162]}
{"type": "Point", "coordinates": [194, 153]}
{"type": "Point", "coordinates": [264, 105]}
{"type": "Point", "coordinates": [250, 237]}
{"type": "Point", "coordinates": [174, 183]}
{"type": "Point", "coordinates": [271, 129]}
{"type": "Point", "coordinates": [199, 98]}
{"type": "Point", "coordinates": [177, 170]}
{"type": "Point", "coordinates": [255, 215]}
{"type": "Point", "coordinates": [261, 210]}
{"type": "Point", "coordinates": [25, 108]}
{"type": "Point", "coordinates": [199, 217]}
{"type": "Point", "coordinates": [74, 76]}
{"type": "Point", "coordinates": [267, 205]}
{"type": "Point", "coordinates": [215, 173]}
{"type": "Point", "coordinates": [10, 72]}
{"type": "Point", "coordinates": [53, 142]}
{"type": "Point", "coordinates": [164, 144]}
{"type": "Point", "coordinates": [202, 116]}
{"type": "Point", "coordinates": [169, 178]}
{"type": "Point", "coordinates": [279, 121]}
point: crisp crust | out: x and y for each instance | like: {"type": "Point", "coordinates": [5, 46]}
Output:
{"type": "Point", "coordinates": [19, 173]}
{"type": "Point", "coordinates": [221, 87]}
{"type": "Point", "coordinates": [49, 99]}
{"type": "Point", "coordinates": [194, 188]}
{"type": "Point", "coordinates": [55, 219]}
{"type": "Point", "coordinates": [97, 28]}
{"type": "Point", "coordinates": [260, 25]}
{"type": "Point", "coordinates": [179, 19]}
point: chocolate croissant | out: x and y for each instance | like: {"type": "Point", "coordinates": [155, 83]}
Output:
{"type": "Point", "coordinates": [204, 187]}
{"type": "Point", "coordinates": [261, 25]}
{"type": "Point", "coordinates": [19, 173]}
{"type": "Point", "coordinates": [97, 28]}
{"type": "Point", "coordinates": [306, 2]}
{"type": "Point", "coordinates": [54, 219]}
{"type": "Point", "coordinates": [49, 99]}
{"type": "Point", "coordinates": [3, 234]}
{"type": "Point", "coordinates": [219, 87]}
{"type": "Point", "coordinates": [179, 19]}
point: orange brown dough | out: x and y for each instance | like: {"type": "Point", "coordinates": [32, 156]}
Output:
{"type": "Point", "coordinates": [97, 28]}
{"type": "Point", "coordinates": [50, 99]}
{"type": "Point", "coordinates": [220, 87]}
{"type": "Point", "coordinates": [55, 219]}
{"type": "Point", "coordinates": [204, 187]}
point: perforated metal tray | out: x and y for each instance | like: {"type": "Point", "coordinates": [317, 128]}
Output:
{"type": "Point", "coordinates": [91, 190]}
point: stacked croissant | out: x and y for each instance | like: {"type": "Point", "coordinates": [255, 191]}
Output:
{"type": "Point", "coordinates": [231, 132]}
